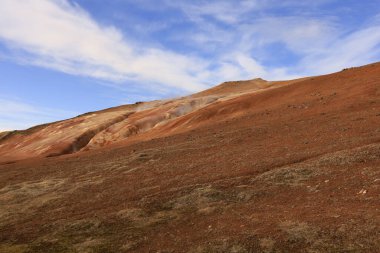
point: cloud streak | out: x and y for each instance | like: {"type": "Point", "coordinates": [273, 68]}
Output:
{"type": "Point", "coordinates": [62, 36]}
{"type": "Point", "coordinates": [254, 37]}
{"type": "Point", "coordinates": [357, 48]}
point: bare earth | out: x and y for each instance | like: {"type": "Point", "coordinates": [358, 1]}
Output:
{"type": "Point", "coordinates": [250, 166]}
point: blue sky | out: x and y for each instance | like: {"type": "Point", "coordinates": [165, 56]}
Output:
{"type": "Point", "coordinates": [60, 58]}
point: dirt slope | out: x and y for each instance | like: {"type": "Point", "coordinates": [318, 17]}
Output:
{"type": "Point", "coordinates": [291, 167]}
{"type": "Point", "coordinates": [99, 129]}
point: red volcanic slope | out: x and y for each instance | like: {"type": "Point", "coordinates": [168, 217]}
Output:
{"type": "Point", "coordinates": [250, 166]}
{"type": "Point", "coordinates": [98, 129]}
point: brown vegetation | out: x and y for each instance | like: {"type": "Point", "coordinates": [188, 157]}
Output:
{"type": "Point", "coordinates": [294, 167]}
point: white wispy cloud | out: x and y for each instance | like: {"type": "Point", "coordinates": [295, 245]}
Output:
{"type": "Point", "coordinates": [60, 35]}
{"type": "Point", "coordinates": [239, 37]}
{"type": "Point", "coordinates": [301, 35]}
{"type": "Point", "coordinates": [357, 48]}
{"type": "Point", "coordinates": [234, 35]}
{"type": "Point", "coordinates": [230, 12]}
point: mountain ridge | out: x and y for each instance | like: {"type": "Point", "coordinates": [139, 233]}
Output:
{"type": "Point", "coordinates": [109, 126]}
{"type": "Point", "coordinates": [172, 108]}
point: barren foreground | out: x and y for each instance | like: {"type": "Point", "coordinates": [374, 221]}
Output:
{"type": "Point", "coordinates": [280, 167]}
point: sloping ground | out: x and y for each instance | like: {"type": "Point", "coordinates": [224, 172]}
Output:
{"type": "Point", "coordinates": [99, 129]}
{"type": "Point", "coordinates": [295, 168]}
{"type": "Point", "coordinates": [236, 87]}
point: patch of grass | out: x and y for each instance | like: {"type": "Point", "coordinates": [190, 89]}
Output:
{"type": "Point", "coordinates": [24, 199]}
{"type": "Point", "coordinates": [50, 247]}
{"type": "Point", "coordinates": [353, 156]}
{"type": "Point", "coordinates": [201, 198]}
{"type": "Point", "coordinates": [347, 238]}
{"type": "Point", "coordinates": [105, 248]}
{"type": "Point", "coordinates": [247, 244]}
{"type": "Point", "coordinates": [106, 235]}
{"type": "Point", "coordinates": [299, 232]}
{"type": "Point", "coordinates": [8, 248]}
{"type": "Point", "coordinates": [289, 175]}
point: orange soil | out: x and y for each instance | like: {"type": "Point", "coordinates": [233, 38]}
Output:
{"type": "Point", "coordinates": [258, 167]}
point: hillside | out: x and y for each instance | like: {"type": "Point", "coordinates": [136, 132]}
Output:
{"type": "Point", "coordinates": [102, 128]}
{"type": "Point", "coordinates": [247, 166]}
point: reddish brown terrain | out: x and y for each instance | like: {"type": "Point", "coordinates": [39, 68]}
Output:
{"type": "Point", "coordinates": [249, 166]}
